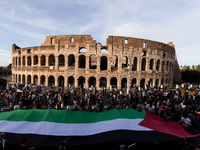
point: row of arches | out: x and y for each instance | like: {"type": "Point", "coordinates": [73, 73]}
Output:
{"type": "Point", "coordinates": [71, 61]}
{"type": "Point", "coordinates": [89, 82]}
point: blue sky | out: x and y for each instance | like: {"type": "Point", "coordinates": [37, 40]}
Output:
{"type": "Point", "coordinates": [27, 22]}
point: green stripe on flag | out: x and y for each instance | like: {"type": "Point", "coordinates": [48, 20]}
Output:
{"type": "Point", "coordinates": [67, 116]}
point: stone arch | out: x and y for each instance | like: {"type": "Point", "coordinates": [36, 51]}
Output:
{"type": "Point", "coordinates": [43, 60]}
{"type": "Point", "coordinates": [82, 50]}
{"type": "Point", "coordinates": [61, 60]}
{"type": "Point", "coordinates": [42, 80]}
{"type": "Point", "coordinates": [113, 82]}
{"type": "Point", "coordinates": [114, 63]}
{"type": "Point", "coordinates": [157, 82]}
{"type": "Point", "coordinates": [71, 80]}
{"type": "Point", "coordinates": [16, 61]}
{"type": "Point", "coordinates": [61, 81]}
{"type": "Point", "coordinates": [124, 62]}
{"type": "Point", "coordinates": [103, 82]}
{"type": "Point", "coordinates": [19, 59]}
{"type": "Point", "coordinates": [103, 63]}
{"type": "Point", "coordinates": [124, 83]}
{"type": "Point", "coordinates": [151, 64]}
{"type": "Point", "coordinates": [71, 60]}
{"type": "Point", "coordinates": [51, 60]}
{"type": "Point", "coordinates": [167, 65]}
{"type": "Point", "coordinates": [35, 60]}
{"type": "Point", "coordinates": [93, 62]}
{"type": "Point", "coordinates": [29, 79]}
{"type": "Point", "coordinates": [51, 80]}
{"type": "Point", "coordinates": [19, 78]}
{"type": "Point", "coordinates": [29, 61]}
{"type": "Point", "coordinates": [163, 65]}
{"type": "Point", "coordinates": [23, 61]}
{"type": "Point", "coordinates": [133, 82]}
{"type": "Point", "coordinates": [142, 83]}
{"type": "Point", "coordinates": [134, 68]}
{"type": "Point", "coordinates": [81, 81]}
{"type": "Point", "coordinates": [104, 50]}
{"type": "Point", "coordinates": [143, 65]}
{"type": "Point", "coordinates": [23, 78]}
{"type": "Point", "coordinates": [35, 79]}
{"type": "Point", "coordinates": [82, 61]}
{"type": "Point", "coordinates": [158, 65]}
{"type": "Point", "coordinates": [92, 81]}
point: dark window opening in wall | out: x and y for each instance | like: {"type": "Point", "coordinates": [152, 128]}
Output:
{"type": "Point", "coordinates": [71, 39]}
{"type": "Point", "coordinates": [151, 64]}
{"type": "Point", "coordinates": [167, 66]}
{"type": "Point", "coordinates": [43, 60]}
{"type": "Point", "coordinates": [81, 81]}
{"type": "Point", "coordinates": [82, 50]}
{"type": "Point", "coordinates": [124, 83]}
{"type": "Point", "coordinates": [163, 65]}
{"type": "Point", "coordinates": [71, 60]}
{"type": "Point", "coordinates": [29, 79]}
{"type": "Point", "coordinates": [104, 50]}
{"type": "Point", "coordinates": [103, 82]}
{"type": "Point", "coordinates": [35, 79]}
{"type": "Point", "coordinates": [134, 68]}
{"type": "Point", "coordinates": [61, 60]}
{"type": "Point", "coordinates": [23, 78]}
{"type": "Point", "coordinates": [51, 81]}
{"type": "Point", "coordinates": [93, 62]}
{"type": "Point", "coordinates": [82, 61]}
{"type": "Point", "coordinates": [166, 82]}
{"type": "Point", "coordinates": [29, 61]}
{"type": "Point", "coordinates": [92, 82]}
{"type": "Point", "coordinates": [23, 61]}
{"type": "Point", "coordinates": [162, 81]}
{"type": "Point", "coordinates": [133, 82]}
{"type": "Point", "coordinates": [126, 41]}
{"type": "Point", "coordinates": [51, 60]}
{"type": "Point", "coordinates": [103, 63]}
{"type": "Point", "coordinates": [19, 78]}
{"type": "Point", "coordinates": [113, 82]}
{"type": "Point", "coordinates": [143, 67]}
{"type": "Point", "coordinates": [19, 61]}
{"type": "Point", "coordinates": [114, 63]}
{"type": "Point", "coordinates": [52, 40]}
{"type": "Point", "coordinates": [170, 67]}
{"type": "Point", "coordinates": [16, 61]}
{"type": "Point", "coordinates": [28, 50]}
{"type": "Point", "coordinates": [157, 82]}
{"type": "Point", "coordinates": [144, 45]}
{"type": "Point", "coordinates": [42, 80]}
{"type": "Point", "coordinates": [164, 55]}
{"type": "Point", "coordinates": [16, 78]}
{"type": "Point", "coordinates": [35, 60]}
{"type": "Point", "coordinates": [19, 52]}
{"type": "Point", "coordinates": [144, 53]}
{"type": "Point", "coordinates": [158, 65]}
{"type": "Point", "coordinates": [124, 62]}
{"type": "Point", "coordinates": [142, 83]}
{"type": "Point", "coordinates": [61, 81]}
{"type": "Point", "coordinates": [150, 82]}
{"type": "Point", "coordinates": [71, 81]}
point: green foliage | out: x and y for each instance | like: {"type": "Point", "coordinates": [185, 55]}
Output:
{"type": "Point", "coordinates": [191, 76]}
{"type": "Point", "coordinates": [3, 82]}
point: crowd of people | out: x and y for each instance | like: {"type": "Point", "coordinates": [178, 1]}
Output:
{"type": "Point", "coordinates": [181, 104]}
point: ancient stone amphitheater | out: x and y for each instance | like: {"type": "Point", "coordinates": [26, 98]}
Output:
{"type": "Point", "coordinates": [78, 60]}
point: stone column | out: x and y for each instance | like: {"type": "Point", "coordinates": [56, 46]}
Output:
{"type": "Point", "coordinates": [76, 63]}
{"type": "Point", "coordinates": [97, 82]}
{"type": "Point", "coordinates": [98, 64]}
{"type": "Point", "coordinates": [66, 63]}
{"type": "Point", "coordinates": [32, 61]}
{"type": "Point", "coordinates": [108, 82]}
{"type": "Point", "coordinates": [47, 60]}
{"type": "Point", "coordinates": [39, 60]}
{"type": "Point", "coordinates": [76, 81]}
{"type": "Point", "coordinates": [46, 80]}
{"type": "Point", "coordinates": [56, 80]}
{"type": "Point", "coordinates": [56, 63]}
{"type": "Point", "coordinates": [119, 83]}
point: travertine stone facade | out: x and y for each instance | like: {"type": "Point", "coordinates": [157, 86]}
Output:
{"type": "Point", "coordinates": [79, 60]}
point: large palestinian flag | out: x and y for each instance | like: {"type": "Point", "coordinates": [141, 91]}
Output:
{"type": "Point", "coordinates": [49, 127]}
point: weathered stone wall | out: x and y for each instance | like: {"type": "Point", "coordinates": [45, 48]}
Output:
{"type": "Point", "coordinates": [78, 60]}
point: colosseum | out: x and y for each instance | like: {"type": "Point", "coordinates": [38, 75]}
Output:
{"type": "Point", "coordinates": [78, 60]}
